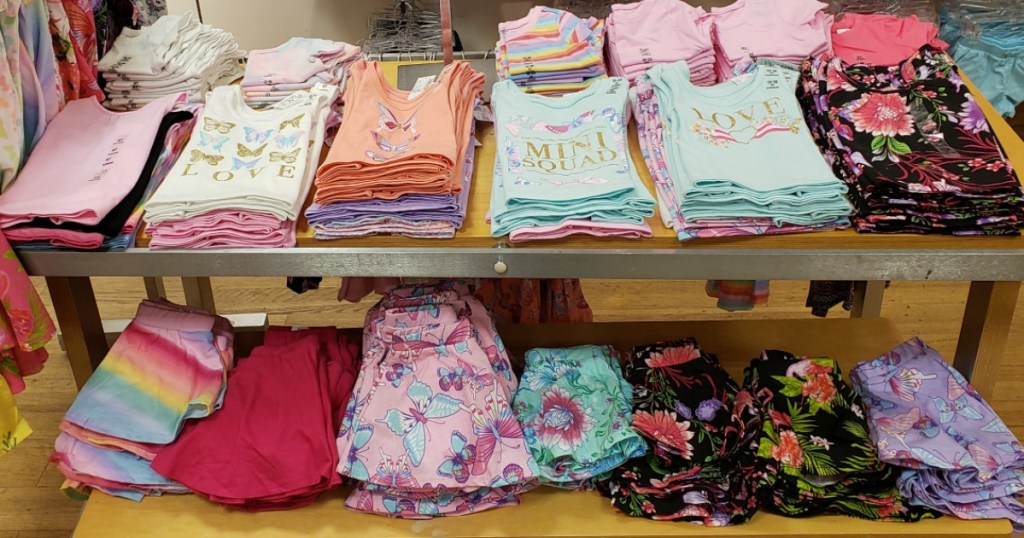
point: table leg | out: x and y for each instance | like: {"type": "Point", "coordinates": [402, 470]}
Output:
{"type": "Point", "coordinates": [983, 335]}
{"type": "Point", "coordinates": [199, 293]}
{"type": "Point", "coordinates": [155, 288]}
{"type": "Point", "coordinates": [79, 318]}
{"type": "Point", "coordinates": [867, 299]}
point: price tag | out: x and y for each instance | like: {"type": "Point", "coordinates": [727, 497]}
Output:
{"type": "Point", "coordinates": [421, 84]}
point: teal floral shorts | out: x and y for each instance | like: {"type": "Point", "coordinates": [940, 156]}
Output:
{"type": "Point", "coordinates": [576, 412]}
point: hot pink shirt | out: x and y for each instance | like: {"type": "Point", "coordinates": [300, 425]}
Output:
{"type": "Point", "coordinates": [85, 164]}
{"type": "Point", "coordinates": [881, 39]}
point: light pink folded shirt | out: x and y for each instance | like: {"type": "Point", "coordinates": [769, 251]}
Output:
{"type": "Point", "coordinates": [785, 30]}
{"type": "Point", "coordinates": [581, 227]}
{"type": "Point", "coordinates": [223, 229]}
{"type": "Point", "coordinates": [85, 164]}
{"type": "Point", "coordinates": [639, 32]}
{"type": "Point", "coordinates": [296, 60]}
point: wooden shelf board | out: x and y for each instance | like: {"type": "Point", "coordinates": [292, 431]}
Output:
{"type": "Point", "coordinates": [545, 512]}
{"type": "Point", "coordinates": [548, 512]}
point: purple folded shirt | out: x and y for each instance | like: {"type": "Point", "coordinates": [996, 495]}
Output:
{"type": "Point", "coordinates": [433, 212]}
{"type": "Point", "coordinates": [409, 206]}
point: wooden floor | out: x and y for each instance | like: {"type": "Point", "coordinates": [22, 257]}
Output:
{"type": "Point", "coordinates": [31, 506]}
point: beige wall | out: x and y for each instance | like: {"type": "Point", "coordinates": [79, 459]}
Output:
{"type": "Point", "coordinates": [261, 24]}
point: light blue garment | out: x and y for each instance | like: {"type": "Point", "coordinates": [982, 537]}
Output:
{"type": "Point", "coordinates": [114, 466]}
{"type": "Point", "coordinates": [741, 149]}
{"type": "Point", "coordinates": [40, 78]}
{"type": "Point", "coordinates": [990, 53]}
{"type": "Point", "coordinates": [562, 158]}
{"type": "Point", "coordinates": [996, 69]}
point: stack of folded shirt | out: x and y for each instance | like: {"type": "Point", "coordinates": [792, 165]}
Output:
{"type": "Point", "coordinates": [713, 155]}
{"type": "Point", "coordinates": [813, 449]}
{"type": "Point", "coordinates": [405, 159]}
{"type": "Point", "coordinates": [914, 146]}
{"type": "Point", "coordinates": [271, 446]}
{"type": "Point", "coordinates": [958, 456]}
{"type": "Point", "coordinates": [271, 75]}
{"type": "Point", "coordinates": [429, 430]}
{"type": "Point", "coordinates": [89, 206]}
{"type": "Point", "coordinates": [551, 51]}
{"type": "Point", "coordinates": [563, 166]}
{"type": "Point", "coordinates": [784, 30]}
{"type": "Point", "coordinates": [42, 234]}
{"type": "Point", "coordinates": [644, 34]}
{"type": "Point", "coordinates": [244, 175]}
{"type": "Point", "coordinates": [169, 365]}
{"type": "Point", "coordinates": [577, 435]}
{"type": "Point", "coordinates": [699, 429]}
{"type": "Point", "coordinates": [176, 54]}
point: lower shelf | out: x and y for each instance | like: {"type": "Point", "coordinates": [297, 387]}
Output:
{"type": "Point", "coordinates": [547, 512]}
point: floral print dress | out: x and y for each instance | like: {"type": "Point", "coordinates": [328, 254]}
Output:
{"type": "Point", "coordinates": [25, 328]}
{"type": "Point", "coordinates": [12, 126]}
{"type": "Point", "coordinates": [814, 448]}
{"type": "Point", "coordinates": [698, 427]}
{"type": "Point", "coordinates": [913, 144]}
{"type": "Point", "coordinates": [83, 39]}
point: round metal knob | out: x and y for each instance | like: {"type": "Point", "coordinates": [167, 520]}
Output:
{"type": "Point", "coordinates": [500, 267]}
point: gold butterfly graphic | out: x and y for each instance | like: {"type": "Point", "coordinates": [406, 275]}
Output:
{"type": "Point", "coordinates": [294, 122]}
{"type": "Point", "coordinates": [290, 157]}
{"type": "Point", "coordinates": [212, 160]}
{"type": "Point", "coordinates": [222, 127]}
{"type": "Point", "coordinates": [246, 152]}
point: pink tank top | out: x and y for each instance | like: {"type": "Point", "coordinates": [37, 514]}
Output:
{"type": "Point", "coordinates": [85, 164]}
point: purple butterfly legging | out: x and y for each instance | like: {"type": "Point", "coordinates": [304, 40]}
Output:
{"type": "Point", "coordinates": [961, 458]}
{"type": "Point", "coordinates": [429, 430]}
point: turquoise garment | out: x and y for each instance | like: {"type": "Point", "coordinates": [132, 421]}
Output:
{"type": "Point", "coordinates": [741, 149]}
{"type": "Point", "coordinates": [562, 158]}
{"type": "Point", "coordinates": [992, 55]}
{"type": "Point", "coordinates": [576, 411]}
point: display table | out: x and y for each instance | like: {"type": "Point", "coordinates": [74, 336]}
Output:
{"type": "Point", "coordinates": [547, 511]}
{"type": "Point", "coordinates": [994, 265]}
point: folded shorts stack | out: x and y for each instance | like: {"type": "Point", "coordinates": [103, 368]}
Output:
{"type": "Point", "coordinates": [296, 386]}
{"type": "Point", "coordinates": [958, 457]}
{"type": "Point", "coordinates": [814, 450]}
{"type": "Point", "coordinates": [698, 427]}
{"type": "Point", "coordinates": [169, 365]}
{"type": "Point", "coordinates": [429, 430]}
{"type": "Point", "coordinates": [576, 412]}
